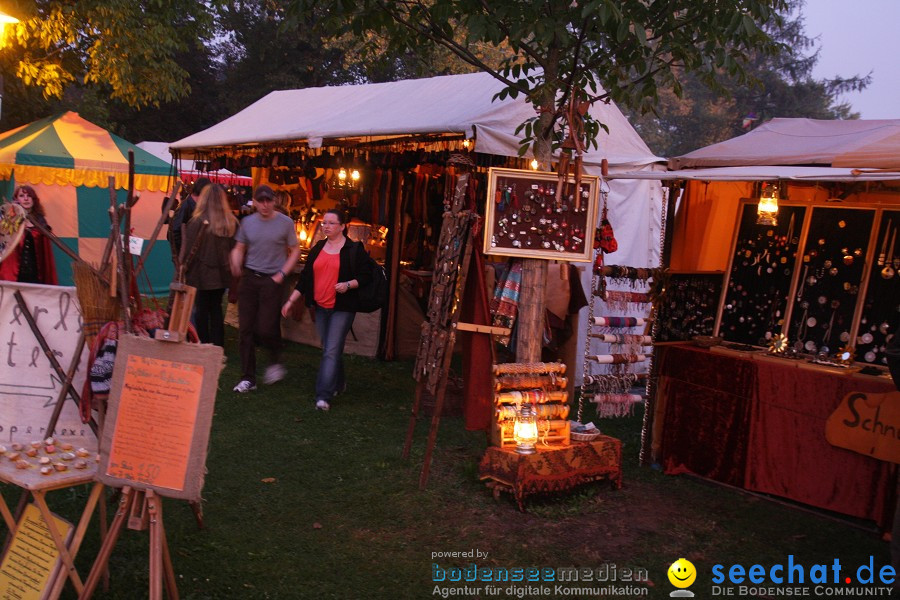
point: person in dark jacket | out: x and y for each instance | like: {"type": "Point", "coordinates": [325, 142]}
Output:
{"type": "Point", "coordinates": [208, 240]}
{"type": "Point", "coordinates": [335, 269]}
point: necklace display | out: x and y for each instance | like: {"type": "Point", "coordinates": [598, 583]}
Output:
{"type": "Point", "coordinates": [686, 305]}
{"type": "Point", "coordinates": [880, 318]}
{"type": "Point", "coordinates": [760, 278]}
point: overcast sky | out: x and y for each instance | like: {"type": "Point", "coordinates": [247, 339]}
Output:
{"type": "Point", "coordinates": [857, 37]}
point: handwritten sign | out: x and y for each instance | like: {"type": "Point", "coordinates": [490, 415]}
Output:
{"type": "Point", "coordinates": [160, 410]}
{"type": "Point", "coordinates": [868, 424]}
{"type": "Point", "coordinates": [155, 426]}
{"type": "Point", "coordinates": [29, 386]}
{"type": "Point", "coordinates": [32, 558]}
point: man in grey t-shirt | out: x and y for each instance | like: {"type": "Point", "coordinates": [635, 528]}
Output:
{"type": "Point", "coordinates": [265, 252]}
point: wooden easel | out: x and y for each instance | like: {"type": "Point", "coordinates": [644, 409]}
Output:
{"type": "Point", "coordinates": [141, 510]}
{"type": "Point", "coordinates": [444, 366]}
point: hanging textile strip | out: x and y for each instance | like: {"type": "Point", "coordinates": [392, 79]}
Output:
{"type": "Point", "coordinates": [618, 359]}
{"type": "Point", "coordinates": [530, 382]}
{"type": "Point", "coordinates": [623, 338]}
{"type": "Point", "coordinates": [543, 411]}
{"type": "Point", "coordinates": [624, 300]}
{"type": "Point", "coordinates": [529, 368]}
{"type": "Point", "coordinates": [620, 321]}
{"type": "Point", "coordinates": [616, 405]}
{"type": "Point", "coordinates": [610, 384]}
{"type": "Point", "coordinates": [534, 396]}
{"type": "Point", "coordinates": [621, 272]}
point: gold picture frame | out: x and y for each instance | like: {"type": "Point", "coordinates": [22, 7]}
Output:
{"type": "Point", "coordinates": [524, 219]}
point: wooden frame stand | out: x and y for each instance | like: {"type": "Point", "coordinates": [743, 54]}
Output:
{"type": "Point", "coordinates": [140, 510]}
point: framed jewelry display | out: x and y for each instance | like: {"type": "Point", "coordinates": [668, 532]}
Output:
{"type": "Point", "coordinates": [880, 318]}
{"type": "Point", "coordinates": [760, 275]}
{"type": "Point", "coordinates": [688, 305]}
{"type": "Point", "coordinates": [526, 218]}
{"type": "Point", "coordinates": [831, 271]}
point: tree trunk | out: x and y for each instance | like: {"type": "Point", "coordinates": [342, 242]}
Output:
{"type": "Point", "coordinates": [531, 310]}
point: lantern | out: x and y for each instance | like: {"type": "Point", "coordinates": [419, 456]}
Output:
{"type": "Point", "coordinates": [767, 209]}
{"type": "Point", "coordinates": [525, 430]}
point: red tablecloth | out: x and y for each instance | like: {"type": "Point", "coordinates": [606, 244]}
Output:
{"type": "Point", "coordinates": [760, 425]}
{"type": "Point", "coordinates": [553, 469]}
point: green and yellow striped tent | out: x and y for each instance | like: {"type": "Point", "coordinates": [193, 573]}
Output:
{"type": "Point", "coordinates": [68, 161]}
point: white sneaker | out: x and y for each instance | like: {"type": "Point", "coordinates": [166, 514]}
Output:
{"type": "Point", "coordinates": [244, 386]}
{"type": "Point", "coordinates": [274, 374]}
{"type": "Point", "coordinates": [322, 405]}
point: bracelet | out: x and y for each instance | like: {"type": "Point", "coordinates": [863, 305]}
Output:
{"type": "Point", "coordinates": [283, 274]}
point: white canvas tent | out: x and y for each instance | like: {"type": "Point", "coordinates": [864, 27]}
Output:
{"type": "Point", "coordinates": [869, 144]}
{"type": "Point", "coordinates": [188, 169]}
{"type": "Point", "coordinates": [452, 104]}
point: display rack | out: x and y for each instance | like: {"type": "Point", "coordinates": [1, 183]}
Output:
{"type": "Point", "coordinates": [688, 304]}
{"type": "Point", "coordinates": [541, 384]}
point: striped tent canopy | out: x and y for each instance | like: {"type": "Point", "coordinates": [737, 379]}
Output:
{"type": "Point", "coordinates": [67, 150]}
{"type": "Point", "coordinates": [68, 161]}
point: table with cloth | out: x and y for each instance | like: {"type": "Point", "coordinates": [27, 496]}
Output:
{"type": "Point", "coordinates": [759, 424]}
{"type": "Point", "coordinates": [552, 468]}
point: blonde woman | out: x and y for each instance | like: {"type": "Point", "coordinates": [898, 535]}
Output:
{"type": "Point", "coordinates": [207, 242]}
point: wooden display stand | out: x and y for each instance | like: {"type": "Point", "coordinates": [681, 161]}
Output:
{"type": "Point", "coordinates": [39, 486]}
{"type": "Point", "coordinates": [543, 384]}
{"type": "Point", "coordinates": [550, 470]}
{"type": "Point", "coordinates": [172, 386]}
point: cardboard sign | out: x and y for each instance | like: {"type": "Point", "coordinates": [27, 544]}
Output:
{"type": "Point", "coordinates": [32, 558]}
{"type": "Point", "coordinates": [29, 386]}
{"type": "Point", "coordinates": [868, 424]}
{"type": "Point", "coordinates": [160, 410]}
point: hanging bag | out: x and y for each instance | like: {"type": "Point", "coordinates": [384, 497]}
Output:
{"type": "Point", "coordinates": [374, 295]}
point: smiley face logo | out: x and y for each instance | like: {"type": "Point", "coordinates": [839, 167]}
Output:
{"type": "Point", "coordinates": [682, 573]}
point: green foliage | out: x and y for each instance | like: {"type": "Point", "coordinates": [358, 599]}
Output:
{"type": "Point", "coordinates": [782, 86]}
{"type": "Point", "coordinates": [123, 47]}
{"type": "Point", "coordinates": [626, 50]}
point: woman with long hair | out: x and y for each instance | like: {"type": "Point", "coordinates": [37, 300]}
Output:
{"type": "Point", "coordinates": [32, 261]}
{"type": "Point", "coordinates": [334, 270]}
{"type": "Point", "coordinates": [207, 241]}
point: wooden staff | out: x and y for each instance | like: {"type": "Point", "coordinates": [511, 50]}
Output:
{"type": "Point", "coordinates": [170, 201]}
{"type": "Point", "coordinates": [59, 244]}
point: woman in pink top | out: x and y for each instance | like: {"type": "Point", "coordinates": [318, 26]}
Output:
{"type": "Point", "coordinates": [335, 269]}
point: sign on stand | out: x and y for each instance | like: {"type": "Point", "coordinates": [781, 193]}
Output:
{"type": "Point", "coordinates": [32, 559]}
{"type": "Point", "coordinates": [159, 415]}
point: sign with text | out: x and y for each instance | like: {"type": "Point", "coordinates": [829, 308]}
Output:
{"type": "Point", "coordinates": [32, 558]}
{"type": "Point", "coordinates": [29, 386]}
{"type": "Point", "coordinates": [160, 410]}
{"type": "Point", "coordinates": [868, 424]}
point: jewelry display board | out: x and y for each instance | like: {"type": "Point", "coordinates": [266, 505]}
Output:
{"type": "Point", "coordinates": [761, 271]}
{"type": "Point", "coordinates": [881, 310]}
{"type": "Point", "coordinates": [688, 305]}
{"type": "Point", "coordinates": [524, 216]}
{"type": "Point", "coordinates": [833, 262]}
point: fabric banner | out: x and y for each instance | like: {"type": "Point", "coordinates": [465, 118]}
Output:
{"type": "Point", "coordinates": [29, 386]}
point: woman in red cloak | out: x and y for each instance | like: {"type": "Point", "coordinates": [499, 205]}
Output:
{"type": "Point", "coordinates": [32, 261]}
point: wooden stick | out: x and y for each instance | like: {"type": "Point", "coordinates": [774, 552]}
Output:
{"type": "Point", "coordinates": [120, 270]}
{"type": "Point", "coordinates": [115, 530]}
{"type": "Point", "coordinates": [67, 383]}
{"type": "Point", "coordinates": [170, 201]}
{"type": "Point", "coordinates": [113, 233]}
{"type": "Point", "coordinates": [59, 244]}
{"type": "Point", "coordinates": [127, 265]}
{"type": "Point", "coordinates": [20, 300]}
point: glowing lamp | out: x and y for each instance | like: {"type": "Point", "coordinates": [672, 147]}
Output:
{"type": "Point", "coordinates": [534, 164]}
{"type": "Point", "coordinates": [5, 18]}
{"type": "Point", "coordinates": [354, 175]}
{"type": "Point", "coordinates": [342, 175]}
{"type": "Point", "coordinates": [767, 209]}
{"type": "Point", "coordinates": [525, 431]}
{"type": "Point", "coordinates": [466, 143]}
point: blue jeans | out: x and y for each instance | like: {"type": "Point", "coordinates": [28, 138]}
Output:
{"type": "Point", "coordinates": [332, 327]}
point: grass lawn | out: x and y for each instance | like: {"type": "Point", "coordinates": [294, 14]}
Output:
{"type": "Point", "coordinates": [305, 504]}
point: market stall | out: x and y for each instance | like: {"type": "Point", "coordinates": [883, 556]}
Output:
{"type": "Point", "coordinates": [783, 263]}
{"type": "Point", "coordinates": [391, 153]}
{"type": "Point", "coordinates": [69, 161]}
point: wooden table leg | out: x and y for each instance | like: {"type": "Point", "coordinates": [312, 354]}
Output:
{"type": "Point", "coordinates": [78, 537]}
{"type": "Point", "coordinates": [115, 530]}
{"type": "Point", "coordinates": [49, 521]}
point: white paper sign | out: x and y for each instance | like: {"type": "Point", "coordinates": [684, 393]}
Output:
{"type": "Point", "coordinates": [135, 245]}
{"type": "Point", "coordinates": [29, 386]}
